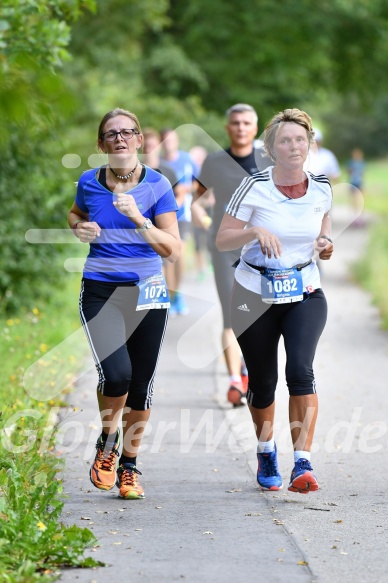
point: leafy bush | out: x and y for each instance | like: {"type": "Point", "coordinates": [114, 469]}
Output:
{"type": "Point", "coordinates": [34, 543]}
{"type": "Point", "coordinates": [31, 196]}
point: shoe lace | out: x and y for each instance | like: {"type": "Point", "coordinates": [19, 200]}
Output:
{"type": "Point", "coordinates": [128, 475]}
{"type": "Point", "coordinates": [304, 464]}
{"type": "Point", "coordinates": [106, 461]}
{"type": "Point", "coordinates": [268, 464]}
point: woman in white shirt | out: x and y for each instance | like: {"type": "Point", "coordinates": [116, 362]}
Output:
{"type": "Point", "coordinates": [281, 218]}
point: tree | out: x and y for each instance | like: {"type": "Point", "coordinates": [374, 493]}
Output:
{"type": "Point", "coordinates": [34, 105]}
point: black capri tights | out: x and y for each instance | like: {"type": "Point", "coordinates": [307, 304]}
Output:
{"type": "Point", "coordinates": [258, 328]}
{"type": "Point", "coordinates": [125, 343]}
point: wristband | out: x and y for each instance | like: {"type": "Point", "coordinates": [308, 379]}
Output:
{"type": "Point", "coordinates": [326, 237]}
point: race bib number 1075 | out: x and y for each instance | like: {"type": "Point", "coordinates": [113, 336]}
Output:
{"type": "Point", "coordinates": [153, 293]}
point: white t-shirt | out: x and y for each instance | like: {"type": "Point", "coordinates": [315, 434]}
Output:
{"type": "Point", "coordinates": [323, 161]}
{"type": "Point", "coordinates": [296, 222]}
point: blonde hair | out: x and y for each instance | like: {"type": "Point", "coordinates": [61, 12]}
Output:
{"type": "Point", "coordinates": [115, 113]}
{"type": "Point", "coordinates": [296, 116]}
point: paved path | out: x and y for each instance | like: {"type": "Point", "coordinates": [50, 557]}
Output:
{"type": "Point", "coordinates": [203, 519]}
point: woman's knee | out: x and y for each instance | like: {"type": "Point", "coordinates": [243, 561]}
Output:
{"type": "Point", "coordinates": [114, 383]}
{"type": "Point", "coordinates": [261, 394]}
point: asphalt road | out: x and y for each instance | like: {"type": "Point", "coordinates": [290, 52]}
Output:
{"type": "Point", "coordinates": [204, 519]}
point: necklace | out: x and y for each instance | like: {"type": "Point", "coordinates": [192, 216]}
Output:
{"type": "Point", "coordinates": [125, 175]}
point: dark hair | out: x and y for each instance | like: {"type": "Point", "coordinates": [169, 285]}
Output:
{"type": "Point", "coordinates": [165, 131]}
{"type": "Point", "coordinates": [151, 133]}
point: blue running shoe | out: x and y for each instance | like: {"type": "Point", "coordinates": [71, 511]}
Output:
{"type": "Point", "coordinates": [302, 478]}
{"type": "Point", "coordinates": [172, 311]}
{"type": "Point", "coordinates": [268, 476]}
{"type": "Point", "coordinates": [180, 305]}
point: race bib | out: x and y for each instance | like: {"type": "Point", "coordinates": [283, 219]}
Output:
{"type": "Point", "coordinates": [153, 293]}
{"type": "Point", "coordinates": [281, 286]}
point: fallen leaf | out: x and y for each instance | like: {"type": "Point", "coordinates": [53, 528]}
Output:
{"type": "Point", "coordinates": [337, 521]}
{"type": "Point", "coordinates": [302, 563]}
{"type": "Point", "coordinates": [158, 507]}
{"type": "Point", "coordinates": [276, 521]}
{"type": "Point", "coordinates": [113, 531]}
{"type": "Point", "coordinates": [85, 518]}
{"type": "Point", "coordinates": [138, 529]}
{"type": "Point", "coordinates": [117, 543]}
{"type": "Point", "coordinates": [207, 532]}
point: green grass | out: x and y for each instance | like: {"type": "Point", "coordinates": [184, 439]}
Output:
{"type": "Point", "coordinates": [376, 187]}
{"type": "Point", "coordinates": [33, 542]}
{"type": "Point", "coordinates": [371, 271]}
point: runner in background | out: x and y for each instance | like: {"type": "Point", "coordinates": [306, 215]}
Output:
{"type": "Point", "coordinates": [185, 170]}
{"type": "Point", "coordinates": [151, 157]}
{"type": "Point", "coordinates": [201, 233]}
{"type": "Point", "coordinates": [356, 168]}
{"type": "Point", "coordinates": [222, 172]}
{"type": "Point", "coordinates": [322, 160]}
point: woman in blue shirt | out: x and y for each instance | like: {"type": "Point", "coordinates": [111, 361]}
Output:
{"type": "Point", "coordinates": [126, 212]}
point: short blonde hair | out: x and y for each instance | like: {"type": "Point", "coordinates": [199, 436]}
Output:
{"type": "Point", "coordinates": [296, 116]}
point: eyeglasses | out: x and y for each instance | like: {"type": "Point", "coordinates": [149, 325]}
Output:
{"type": "Point", "coordinates": [125, 134]}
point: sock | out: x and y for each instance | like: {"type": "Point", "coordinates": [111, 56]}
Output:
{"type": "Point", "coordinates": [302, 454]}
{"type": "Point", "coordinates": [266, 446]}
{"type": "Point", "coordinates": [109, 439]}
{"type": "Point", "coordinates": [244, 370]}
{"type": "Point", "coordinates": [124, 459]}
{"type": "Point", "coordinates": [235, 378]}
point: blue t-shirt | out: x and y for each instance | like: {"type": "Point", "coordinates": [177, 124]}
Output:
{"type": "Point", "coordinates": [120, 254]}
{"type": "Point", "coordinates": [356, 170]}
{"type": "Point", "coordinates": [186, 170]}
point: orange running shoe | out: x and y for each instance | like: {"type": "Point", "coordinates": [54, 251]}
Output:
{"type": "Point", "coordinates": [127, 481]}
{"type": "Point", "coordinates": [103, 471]}
{"type": "Point", "coordinates": [236, 393]}
{"type": "Point", "coordinates": [244, 380]}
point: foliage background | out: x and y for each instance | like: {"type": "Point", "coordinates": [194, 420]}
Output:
{"type": "Point", "coordinates": [63, 64]}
